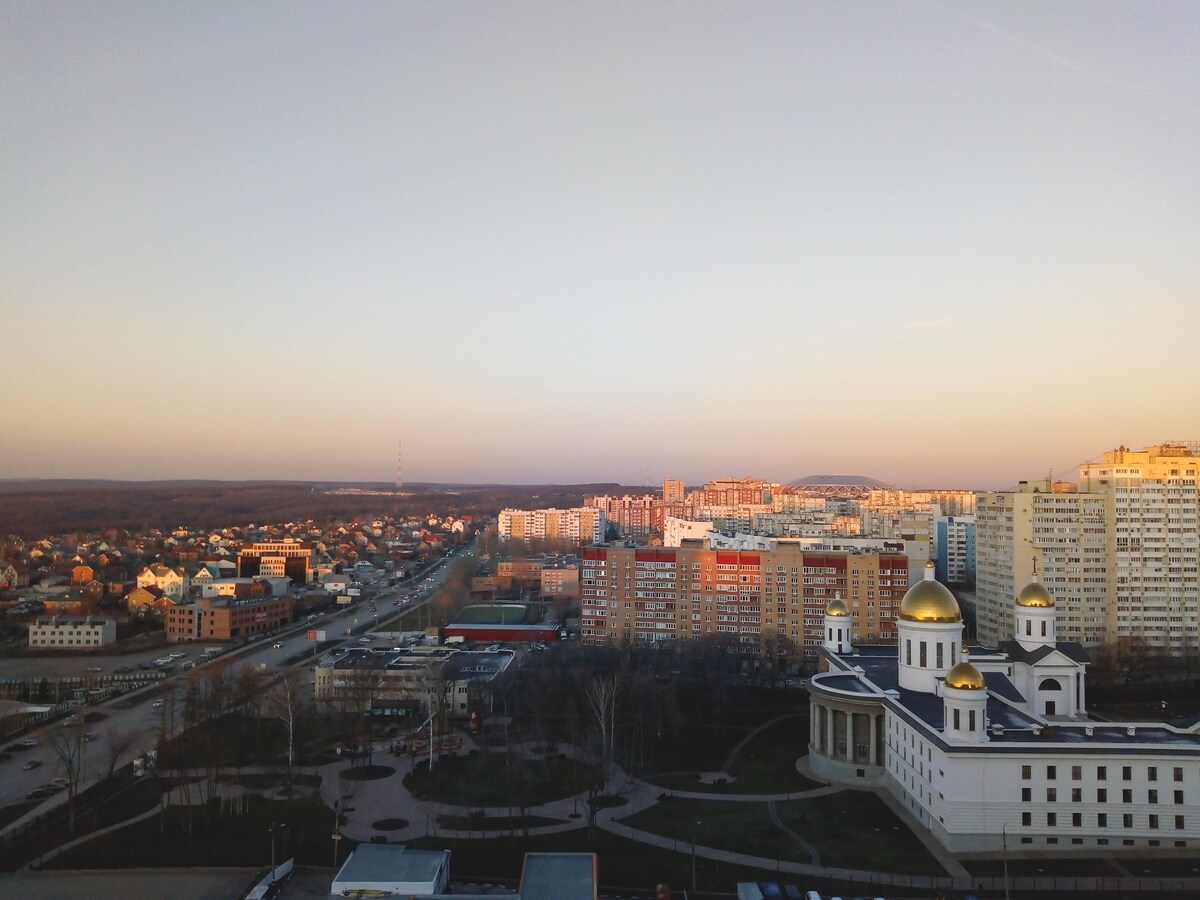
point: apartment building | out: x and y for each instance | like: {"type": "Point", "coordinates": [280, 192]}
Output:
{"type": "Point", "coordinates": [579, 525]}
{"type": "Point", "coordinates": [673, 490]}
{"type": "Point", "coordinates": [731, 492]}
{"type": "Point", "coordinates": [636, 517]}
{"type": "Point", "coordinates": [1152, 543]}
{"type": "Point", "coordinates": [1057, 535]}
{"type": "Point", "coordinates": [651, 594]}
{"type": "Point", "coordinates": [954, 549]}
{"type": "Point", "coordinates": [1120, 550]}
{"type": "Point", "coordinates": [72, 633]}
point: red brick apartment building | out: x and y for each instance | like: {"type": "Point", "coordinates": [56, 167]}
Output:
{"type": "Point", "coordinates": [649, 594]}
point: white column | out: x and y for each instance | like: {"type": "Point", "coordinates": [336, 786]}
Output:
{"type": "Point", "coordinates": [872, 755]}
{"type": "Point", "coordinates": [829, 732]}
{"type": "Point", "coordinates": [850, 737]}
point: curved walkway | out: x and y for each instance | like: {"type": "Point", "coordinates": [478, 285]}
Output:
{"type": "Point", "coordinates": [365, 803]}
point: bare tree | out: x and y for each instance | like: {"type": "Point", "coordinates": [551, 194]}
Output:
{"type": "Point", "coordinates": [601, 695]}
{"type": "Point", "coordinates": [67, 743]}
{"type": "Point", "coordinates": [284, 703]}
{"type": "Point", "coordinates": [118, 745]}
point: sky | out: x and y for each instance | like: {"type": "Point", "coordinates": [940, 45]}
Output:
{"type": "Point", "coordinates": [940, 244]}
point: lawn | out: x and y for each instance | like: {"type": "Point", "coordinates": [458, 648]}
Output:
{"type": "Point", "coordinates": [767, 765]}
{"type": "Point", "coordinates": [741, 827]}
{"type": "Point", "coordinates": [203, 837]}
{"type": "Point", "coordinates": [1066, 867]}
{"type": "Point", "coordinates": [857, 830]}
{"type": "Point", "coordinates": [140, 796]}
{"type": "Point", "coordinates": [851, 829]}
{"type": "Point", "coordinates": [484, 779]}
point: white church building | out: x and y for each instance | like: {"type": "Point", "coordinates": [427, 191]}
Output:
{"type": "Point", "coordinates": [992, 746]}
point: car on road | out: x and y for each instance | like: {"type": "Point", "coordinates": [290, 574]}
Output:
{"type": "Point", "coordinates": [39, 794]}
{"type": "Point", "coordinates": [122, 670]}
{"type": "Point", "coordinates": [29, 742]}
{"type": "Point", "coordinates": [278, 645]}
{"type": "Point", "coordinates": [89, 737]}
{"type": "Point", "coordinates": [178, 654]}
{"type": "Point", "coordinates": [31, 764]}
{"type": "Point", "coordinates": [158, 704]}
{"type": "Point", "coordinates": [95, 668]}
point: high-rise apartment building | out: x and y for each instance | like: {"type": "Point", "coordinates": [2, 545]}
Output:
{"type": "Point", "coordinates": [672, 491]}
{"type": "Point", "coordinates": [954, 549]}
{"type": "Point", "coordinates": [1120, 553]}
{"type": "Point", "coordinates": [651, 594]}
{"type": "Point", "coordinates": [636, 517]}
{"type": "Point", "coordinates": [581, 524]}
{"type": "Point", "coordinates": [1153, 543]}
{"type": "Point", "coordinates": [733, 492]}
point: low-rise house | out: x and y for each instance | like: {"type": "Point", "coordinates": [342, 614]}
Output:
{"type": "Point", "coordinates": [149, 598]}
{"type": "Point", "coordinates": [169, 581]}
{"type": "Point", "coordinates": [14, 575]}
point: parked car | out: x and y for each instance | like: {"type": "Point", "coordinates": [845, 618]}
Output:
{"type": "Point", "coordinates": [29, 742]}
{"type": "Point", "coordinates": [158, 704]}
{"type": "Point", "coordinates": [31, 764]}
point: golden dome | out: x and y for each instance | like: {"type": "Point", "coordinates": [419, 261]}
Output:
{"type": "Point", "coordinates": [1034, 596]}
{"type": "Point", "coordinates": [928, 601]}
{"type": "Point", "coordinates": [965, 677]}
{"type": "Point", "coordinates": [837, 607]}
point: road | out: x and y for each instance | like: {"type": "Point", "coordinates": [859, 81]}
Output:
{"type": "Point", "coordinates": [130, 723]}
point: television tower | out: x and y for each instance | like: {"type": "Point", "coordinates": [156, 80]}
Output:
{"type": "Point", "coordinates": [399, 465]}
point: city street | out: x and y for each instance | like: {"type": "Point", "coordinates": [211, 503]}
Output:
{"type": "Point", "coordinates": [130, 723]}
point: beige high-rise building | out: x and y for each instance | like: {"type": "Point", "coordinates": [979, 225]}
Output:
{"type": "Point", "coordinates": [1059, 535]}
{"type": "Point", "coordinates": [1153, 547]}
{"type": "Point", "coordinates": [672, 491]}
{"type": "Point", "coordinates": [581, 524]}
{"type": "Point", "coordinates": [1120, 551]}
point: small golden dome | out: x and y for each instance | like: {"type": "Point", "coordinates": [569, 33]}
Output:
{"type": "Point", "coordinates": [837, 607]}
{"type": "Point", "coordinates": [928, 601]}
{"type": "Point", "coordinates": [1034, 596]}
{"type": "Point", "coordinates": [965, 677]}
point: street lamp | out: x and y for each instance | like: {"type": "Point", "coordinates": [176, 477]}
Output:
{"type": "Point", "coordinates": [275, 827]}
{"type": "Point", "coordinates": [1004, 845]}
{"type": "Point", "coordinates": [337, 835]}
{"type": "Point", "coordinates": [695, 829]}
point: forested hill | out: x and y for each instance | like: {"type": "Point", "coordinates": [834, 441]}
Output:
{"type": "Point", "coordinates": [37, 508]}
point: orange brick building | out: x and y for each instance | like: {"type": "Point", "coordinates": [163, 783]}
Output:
{"type": "Point", "coordinates": [227, 618]}
{"type": "Point", "coordinates": [647, 594]}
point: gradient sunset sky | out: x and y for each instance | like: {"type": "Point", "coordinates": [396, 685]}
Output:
{"type": "Point", "coordinates": [941, 244]}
